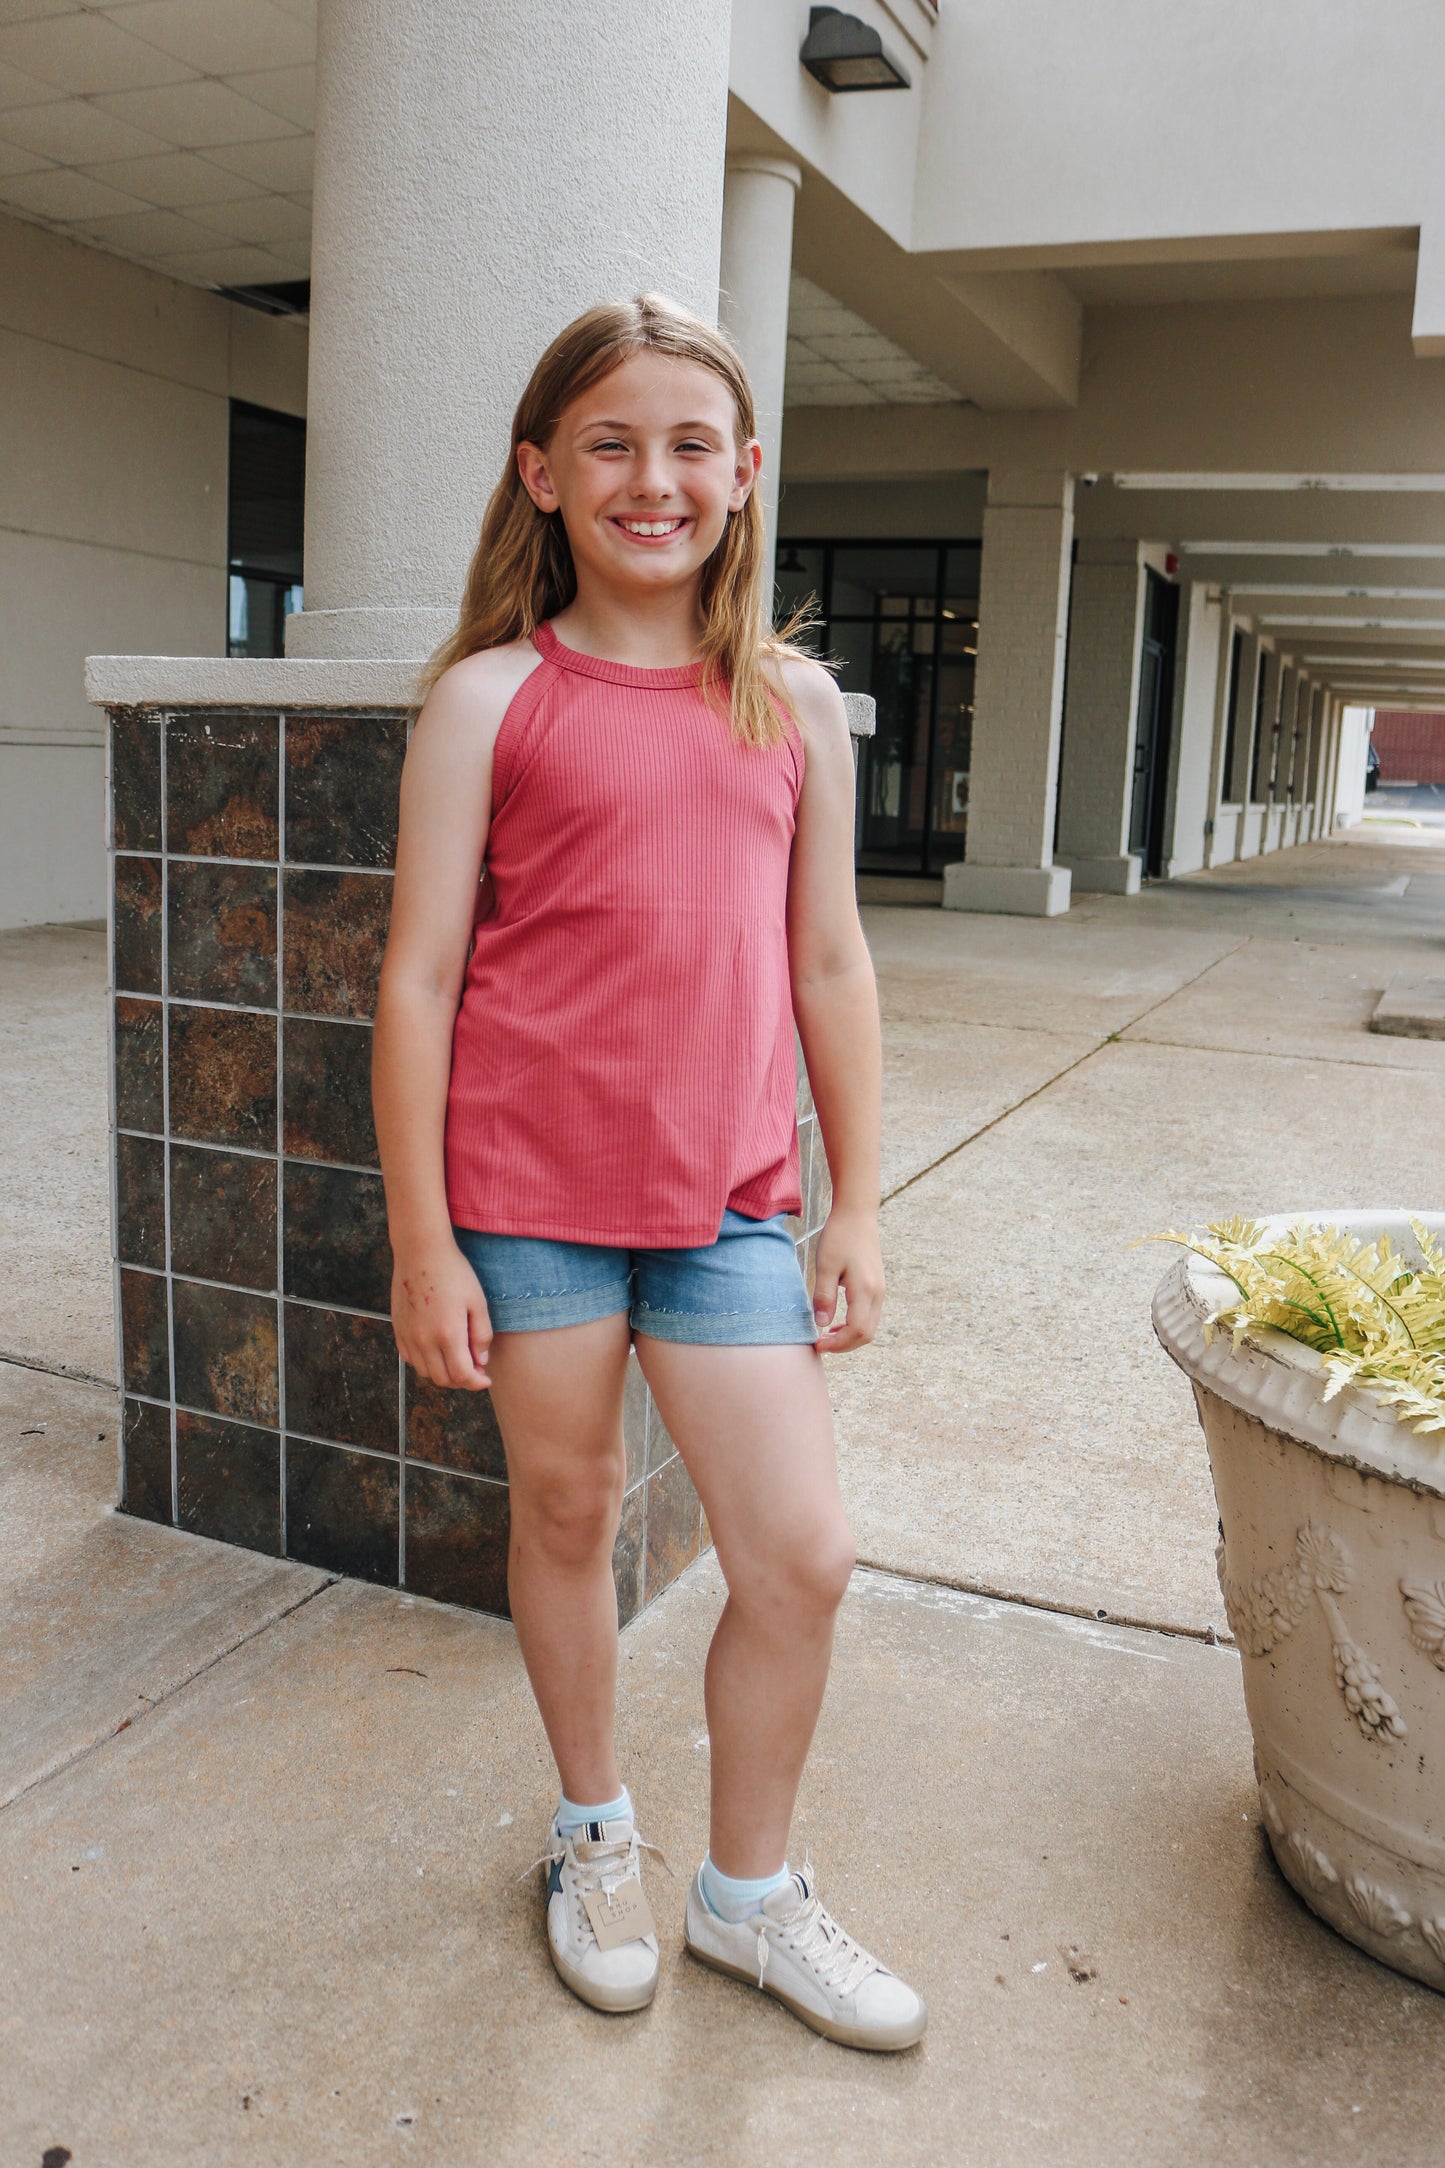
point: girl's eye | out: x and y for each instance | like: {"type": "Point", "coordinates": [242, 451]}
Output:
{"type": "Point", "coordinates": [610, 444]}
{"type": "Point", "coordinates": [694, 444]}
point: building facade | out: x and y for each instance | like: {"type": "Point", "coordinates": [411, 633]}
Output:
{"type": "Point", "coordinates": [1100, 359]}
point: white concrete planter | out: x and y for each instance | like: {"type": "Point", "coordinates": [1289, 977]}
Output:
{"type": "Point", "coordinates": [1332, 1566]}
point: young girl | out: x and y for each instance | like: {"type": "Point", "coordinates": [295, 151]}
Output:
{"type": "Point", "coordinates": [584, 1085]}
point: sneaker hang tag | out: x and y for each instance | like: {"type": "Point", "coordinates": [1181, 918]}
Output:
{"type": "Point", "coordinates": [618, 1916]}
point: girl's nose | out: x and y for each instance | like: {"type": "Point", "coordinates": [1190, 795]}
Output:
{"type": "Point", "coordinates": [652, 479]}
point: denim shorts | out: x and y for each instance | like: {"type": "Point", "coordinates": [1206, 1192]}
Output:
{"type": "Point", "coordinates": [744, 1290]}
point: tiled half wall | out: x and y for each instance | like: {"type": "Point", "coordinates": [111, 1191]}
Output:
{"type": "Point", "coordinates": [265, 1404]}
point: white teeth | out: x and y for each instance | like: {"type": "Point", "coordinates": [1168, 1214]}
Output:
{"type": "Point", "coordinates": [651, 526]}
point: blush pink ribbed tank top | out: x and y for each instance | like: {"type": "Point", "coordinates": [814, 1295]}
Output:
{"type": "Point", "coordinates": [622, 1065]}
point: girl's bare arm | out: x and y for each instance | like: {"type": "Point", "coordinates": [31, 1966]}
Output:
{"type": "Point", "coordinates": [438, 1310]}
{"type": "Point", "coordinates": [835, 1002]}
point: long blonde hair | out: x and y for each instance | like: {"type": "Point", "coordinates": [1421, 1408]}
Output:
{"type": "Point", "coordinates": [522, 572]}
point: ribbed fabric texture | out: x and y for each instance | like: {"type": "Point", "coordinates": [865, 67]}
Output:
{"type": "Point", "coordinates": [622, 1066]}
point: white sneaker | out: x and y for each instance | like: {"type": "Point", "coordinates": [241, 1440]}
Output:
{"type": "Point", "coordinates": [793, 1948]}
{"type": "Point", "coordinates": [596, 1858]}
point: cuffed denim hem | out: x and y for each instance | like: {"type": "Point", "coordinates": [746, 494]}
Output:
{"type": "Point", "coordinates": [544, 1313]}
{"type": "Point", "coordinates": [744, 1328]}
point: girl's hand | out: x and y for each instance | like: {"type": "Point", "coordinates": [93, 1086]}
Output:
{"type": "Point", "coordinates": [439, 1314]}
{"type": "Point", "coordinates": [848, 1256]}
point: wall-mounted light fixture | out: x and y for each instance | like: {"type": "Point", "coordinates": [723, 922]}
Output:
{"type": "Point", "coordinates": [843, 53]}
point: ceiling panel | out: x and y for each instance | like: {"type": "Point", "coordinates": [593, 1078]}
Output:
{"type": "Point", "coordinates": [223, 37]}
{"type": "Point", "coordinates": [196, 115]}
{"type": "Point", "coordinates": [75, 133]}
{"type": "Point", "coordinates": [291, 92]}
{"type": "Point", "coordinates": [61, 194]}
{"type": "Point", "coordinates": [86, 54]}
{"type": "Point", "coordinates": [175, 180]}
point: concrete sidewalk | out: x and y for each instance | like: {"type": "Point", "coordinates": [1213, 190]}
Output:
{"type": "Point", "coordinates": [260, 1831]}
{"type": "Point", "coordinates": [270, 1903]}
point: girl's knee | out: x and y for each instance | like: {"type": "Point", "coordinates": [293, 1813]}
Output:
{"type": "Point", "coordinates": [571, 1521]}
{"type": "Point", "coordinates": [803, 1583]}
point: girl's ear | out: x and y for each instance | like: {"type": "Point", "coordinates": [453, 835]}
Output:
{"type": "Point", "coordinates": [746, 469]}
{"type": "Point", "coordinates": [536, 477]}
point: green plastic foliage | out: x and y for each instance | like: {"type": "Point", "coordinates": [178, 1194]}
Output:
{"type": "Point", "coordinates": [1375, 1319]}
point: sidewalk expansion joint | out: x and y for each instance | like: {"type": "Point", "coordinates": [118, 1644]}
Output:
{"type": "Point", "coordinates": [148, 1702]}
{"type": "Point", "coordinates": [1108, 1038]}
{"type": "Point", "coordinates": [1096, 1614]}
{"type": "Point", "coordinates": [57, 1370]}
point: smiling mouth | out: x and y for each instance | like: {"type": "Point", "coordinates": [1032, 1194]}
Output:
{"type": "Point", "coordinates": [650, 530]}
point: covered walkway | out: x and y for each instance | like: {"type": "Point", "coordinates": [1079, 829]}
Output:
{"type": "Point", "coordinates": [1057, 1833]}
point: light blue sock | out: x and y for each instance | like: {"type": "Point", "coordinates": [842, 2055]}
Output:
{"type": "Point", "coordinates": [571, 1817]}
{"type": "Point", "coordinates": [735, 1900]}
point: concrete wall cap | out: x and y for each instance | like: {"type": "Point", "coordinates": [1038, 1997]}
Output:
{"type": "Point", "coordinates": [1279, 1381]}
{"type": "Point", "coordinates": [208, 681]}
{"type": "Point", "coordinates": [862, 711]}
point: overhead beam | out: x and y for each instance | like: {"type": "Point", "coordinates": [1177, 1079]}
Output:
{"type": "Point", "coordinates": [1002, 340]}
{"type": "Point", "coordinates": [1247, 391]}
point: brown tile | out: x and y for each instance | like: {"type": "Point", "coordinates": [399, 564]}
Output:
{"type": "Point", "coordinates": [457, 1532]}
{"type": "Point", "coordinates": [804, 1096]}
{"type": "Point", "coordinates": [226, 1354]}
{"type": "Point", "coordinates": [453, 1429]}
{"type": "Point", "coordinates": [140, 1184]}
{"type": "Point", "coordinates": [146, 1462]}
{"type": "Point", "coordinates": [327, 1102]}
{"type": "Point", "coordinates": [228, 1482]}
{"type": "Point", "coordinates": [341, 1377]}
{"type": "Point", "coordinates": [223, 1217]}
{"type": "Point", "coordinates": [342, 1510]}
{"type": "Point", "coordinates": [139, 1090]}
{"type": "Point", "coordinates": [343, 773]}
{"type": "Point", "coordinates": [135, 781]}
{"type": "Point", "coordinates": [627, 1556]}
{"type": "Point", "coordinates": [818, 1197]}
{"type": "Point", "coordinates": [636, 1407]}
{"type": "Point", "coordinates": [222, 925]}
{"type": "Point", "coordinates": [335, 1243]}
{"type": "Point", "coordinates": [660, 1447]}
{"type": "Point", "coordinates": [335, 932]}
{"type": "Point", "coordinates": [138, 925]}
{"type": "Point", "coordinates": [222, 777]}
{"type": "Point", "coordinates": [144, 1336]}
{"type": "Point", "coordinates": [223, 1077]}
{"type": "Point", "coordinates": [673, 1520]}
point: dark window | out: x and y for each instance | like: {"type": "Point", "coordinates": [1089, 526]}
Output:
{"type": "Point", "coordinates": [1231, 716]}
{"type": "Point", "coordinates": [265, 508]}
{"type": "Point", "coordinates": [900, 621]}
{"type": "Point", "coordinates": [1259, 776]}
{"type": "Point", "coordinates": [1153, 723]}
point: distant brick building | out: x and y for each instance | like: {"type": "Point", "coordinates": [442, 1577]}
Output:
{"type": "Point", "coordinates": [1411, 745]}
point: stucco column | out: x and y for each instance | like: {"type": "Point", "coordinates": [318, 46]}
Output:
{"type": "Point", "coordinates": [1101, 704]}
{"type": "Point", "coordinates": [1023, 605]}
{"type": "Point", "coordinates": [757, 265]}
{"type": "Point", "coordinates": [482, 175]}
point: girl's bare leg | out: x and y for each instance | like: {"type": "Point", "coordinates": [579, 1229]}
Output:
{"type": "Point", "coordinates": [755, 1430]}
{"type": "Point", "coordinates": [558, 1397]}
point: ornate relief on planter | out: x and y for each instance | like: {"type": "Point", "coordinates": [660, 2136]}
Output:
{"type": "Point", "coordinates": [1332, 1566]}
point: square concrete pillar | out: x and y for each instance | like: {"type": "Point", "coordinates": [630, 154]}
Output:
{"type": "Point", "coordinates": [1101, 703]}
{"type": "Point", "coordinates": [1241, 724]}
{"type": "Point", "coordinates": [1266, 737]}
{"type": "Point", "coordinates": [1028, 532]}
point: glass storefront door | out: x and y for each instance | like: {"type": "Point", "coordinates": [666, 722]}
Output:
{"type": "Point", "coordinates": [900, 621]}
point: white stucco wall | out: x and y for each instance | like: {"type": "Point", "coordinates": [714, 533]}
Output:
{"type": "Point", "coordinates": [1057, 127]}
{"type": "Point", "coordinates": [1355, 725]}
{"type": "Point", "coordinates": [114, 389]}
{"type": "Point", "coordinates": [1197, 714]}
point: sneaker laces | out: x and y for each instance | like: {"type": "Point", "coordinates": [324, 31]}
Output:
{"type": "Point", "coordinates": [609, 1865]}
{"type": "Point", "coordinates": [840, 1961]}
